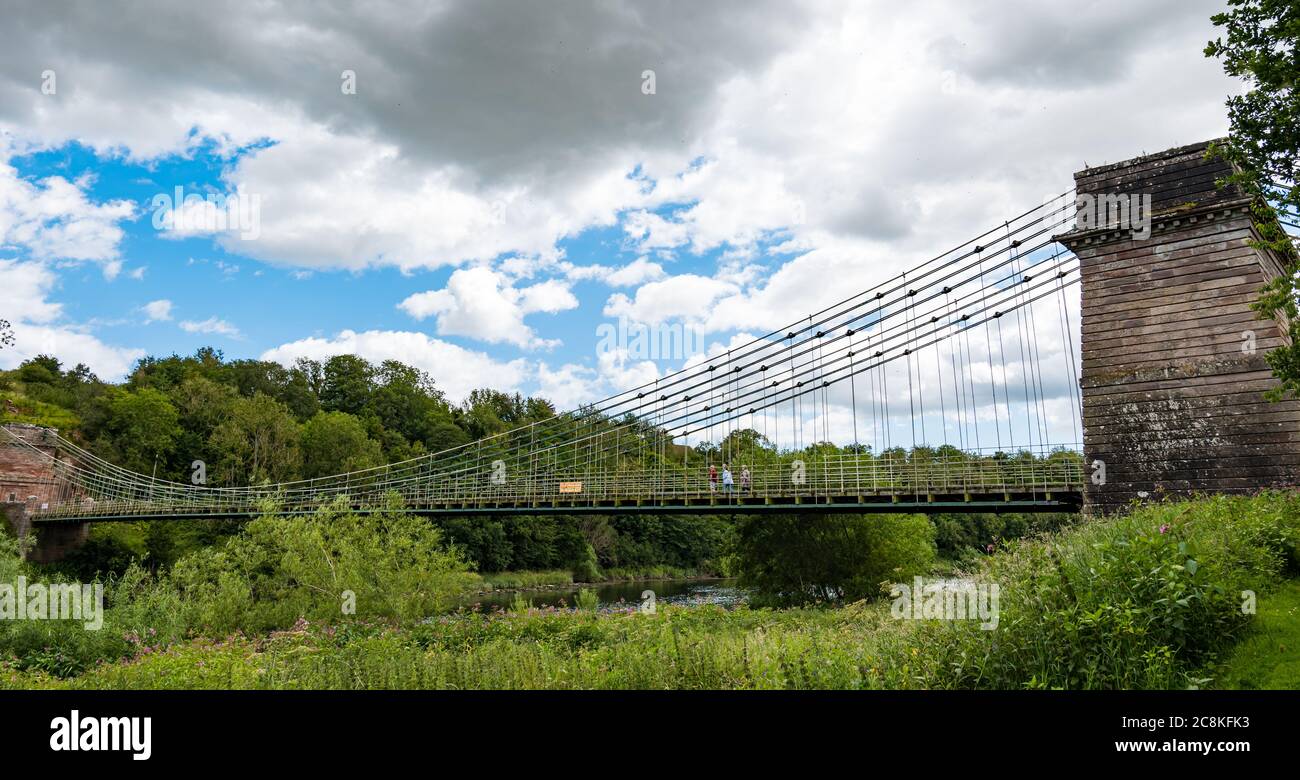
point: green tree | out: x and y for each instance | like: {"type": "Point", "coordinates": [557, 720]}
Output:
{"type": "Point", "coordinates": [141, 428]}
{"type": "Point", "coordinates": [299, 395]}
{"type": "Point", "coordinates": [1262, 47]}
{"type": "Point", "coordinates": [487, 412]}
{"type": "Point", "coordinates": [166, 373]}
{"type": "Point", "coordinates": [404, 399]}
{"type": "Point", "coordinates": [804, 559]}
{"type": "Point", "coordinates": [336, 442]}
{"type": "Point", "coordinates": [203, 404]}
{"type": "Point", "coordinates": [257, 444]}
{"type": "Point", "coordinates": [442, 433]}
{"type": "Point", "coordinates": [345, 384]}
{"type": "Point", "coordinates": [42, 369]}
{"type": "Point", "coordinates": [394, 565]}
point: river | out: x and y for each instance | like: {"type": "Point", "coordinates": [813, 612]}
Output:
{"type": "Point", "coordinates": [621, 595]}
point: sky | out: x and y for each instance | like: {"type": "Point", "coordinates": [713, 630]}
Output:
{"type": "Point", "coordinates": [477, 188]}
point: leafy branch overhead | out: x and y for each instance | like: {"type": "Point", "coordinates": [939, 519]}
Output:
{"type": "Point", "coordinates": [1260, 47]}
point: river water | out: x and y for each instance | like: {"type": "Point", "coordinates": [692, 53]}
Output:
{"type": "Point", "coordinates": [620, 595]}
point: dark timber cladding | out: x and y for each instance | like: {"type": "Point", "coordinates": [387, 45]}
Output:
{"type": "Point", "coordinates": [1173, 392]}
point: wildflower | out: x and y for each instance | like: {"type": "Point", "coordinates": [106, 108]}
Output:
{"type": "Point", "coordinates": [1164, 528]}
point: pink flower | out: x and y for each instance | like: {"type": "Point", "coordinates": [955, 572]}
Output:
{"type": "Point", "coordinates": [1164, 528]}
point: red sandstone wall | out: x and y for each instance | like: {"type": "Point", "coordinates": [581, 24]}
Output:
{"type": "Point", "coordinates": [23, 472]}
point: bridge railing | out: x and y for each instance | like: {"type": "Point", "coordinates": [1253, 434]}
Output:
{"type": "Point", "coordinates": [831, 476]}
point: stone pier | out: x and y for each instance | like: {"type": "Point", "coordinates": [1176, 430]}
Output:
{"type": "Point", "coordinates": [26, 484]}
{"type": "Point", "coordinates": [1173, 369]}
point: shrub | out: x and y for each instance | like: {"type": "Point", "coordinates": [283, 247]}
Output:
{"type": "Point", "coordinates": [393, 564]}
{"type": "Point", "coordinates": [820, 558]}
{"type": "Point", "coordinates": [1141, 601]}
{"type": "Point", "coordinates": [62, 648]}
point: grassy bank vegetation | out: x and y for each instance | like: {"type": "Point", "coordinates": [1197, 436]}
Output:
{"type": "Point", "coordinates": [1269, 656]}
{"type": "Point", "coordinates": [563, 578]}
{"type": "Point", "coordinates": [1150, 600]}
{"type": "Point", "coordinates": [525, 580]}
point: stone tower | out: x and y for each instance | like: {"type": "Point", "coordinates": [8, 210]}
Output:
{"type": "Point", "coordinates": [1173, 370]}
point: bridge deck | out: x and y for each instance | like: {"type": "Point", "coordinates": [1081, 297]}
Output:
{"type": "Point", "coordinates": [1068, 500]}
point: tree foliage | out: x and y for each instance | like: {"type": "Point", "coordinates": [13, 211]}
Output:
{"type": "Point", "coordinates": [1261, 46]}
{"type": "Point", "coordinates": [801, 559]}
{"type": "Point", "coordinates": [336, 442]}
{"type": "Point", "coordinates": [385, 564]}
{"type": "Point", "coordinates": [258, 443]}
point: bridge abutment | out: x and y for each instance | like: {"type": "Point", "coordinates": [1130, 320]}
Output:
{"type": "Point", "coordinates": [1173, 369]}
{"type": "Point", "coordinates": [53, 541]}
{"type": "Point", "coordinates": [16, 519]}
{"type": "Point", "coordinates": [27, 482]}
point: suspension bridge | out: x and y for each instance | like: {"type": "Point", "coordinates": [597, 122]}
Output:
{"type": "Point", "coordinates": [1056, 359]}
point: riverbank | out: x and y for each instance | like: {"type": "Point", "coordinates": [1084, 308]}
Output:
{"type": "Point", "coordinates": [559, 579]}
{"type": "Point", "coordinates": [1148, 600]}
{"type": "Point", "coordinates": [614, 596]}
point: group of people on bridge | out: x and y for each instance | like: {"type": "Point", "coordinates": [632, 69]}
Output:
{"type": "Point", "coordinates": [728, 481]}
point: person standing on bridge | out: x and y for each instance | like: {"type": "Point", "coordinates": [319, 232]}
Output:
{"type": "Point", "coordinates": [744, 479]}
{"type": "Point", "coordinates": [727, 482]}
{"type": "Point", "coordinates": [713, 478]}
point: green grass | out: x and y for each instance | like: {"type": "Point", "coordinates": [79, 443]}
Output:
{"type": "Point", "coordinates": [523, 580]}
{"type": "Point", "coordinates": [676, 648]}
{"type": "Point", "coordinates": [1148, 600]}
{"type": "Point", "coordinates": [1269, 657]}
{"type": "Point", "coordinates": [559, 578]}
{"type": "Point", "coordinates": [657, 572]}
{"type": "Point", "coordinates": [34, 412]}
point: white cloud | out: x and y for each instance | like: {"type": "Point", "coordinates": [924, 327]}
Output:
{"type": "Point", "coordinates": [158, 311]}
{"type": "Point", "coordinates": [651, 231]}
{"type": "Point", "coordinates": [38, 330]}
{"type": "Point", "coordinates": [686, 296]}
{"type": "Point", "coordinates": [550, 296]}
{"type": "Point", "coordinates": [770, 118]}
{"type": "Point", "coordinates": [484, 304]}
{"type": "Point", "coordinates": [569, 386]}
{"type": "Point", "coordinates": [54, 219]}
{"type": "Point", "coordinates": [637, 272]}
{"type": "Point", "coordinates": [456, 370]}
{"type": "Point", "coordinates": [803, 285]}
{"type": "Point", "coordinates": [865, 136]}
{"type": "Point", "coordinates": [70, 347]}
{"type": "Point", "coordinates": [212, 325]}
{"type": "Point", "coordinates": [27, 286]}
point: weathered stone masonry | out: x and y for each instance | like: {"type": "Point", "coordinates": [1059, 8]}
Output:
{"type": "Point", "coordinates": [1173, 400]}
{"type": "Point", "coordinates": [26, 483]}
{"type": "Point", "coordinates": [25, 476]}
